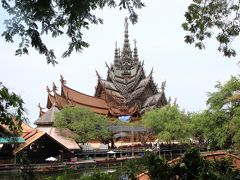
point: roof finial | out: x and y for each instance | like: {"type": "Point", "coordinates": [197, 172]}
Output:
{"type": "Point", "coordinates": [126, 51]}
{"type": "Point", "coordinates": [126, 25]}
{"type": "Point", "coordinates": [151, 73]}
{"type": "Point", "coordinates": [39, 106]}
{"type": "Point", "coordinates": [175, 101]}
{"type": "Point", "coordinates": [54, 88]}
{"type": "Point", "coordinates": [48, 90]}
{"type": "Point", "coordinates": [135, 53]}
{"type": "Point", "coordinates": [99, 77]}
{"type": "Point", "coordinates": [107, 65]}
{"type": "Point", "coordinates": [40, 110]}
{"type": "Point", "coordinates": [163, 85]}
{"type": "Point", "coordinates": [62, 80]}
{"type": "Point", "coordinates": [116, 54]}
{"type": "Point", "coordinates": [169, 100]}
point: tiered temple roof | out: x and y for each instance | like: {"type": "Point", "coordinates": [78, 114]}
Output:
{"type": "Point", "coordinates": [125, 91]}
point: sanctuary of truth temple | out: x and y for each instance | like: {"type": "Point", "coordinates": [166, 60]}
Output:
{"type": "Point", "coordinates": [126, 91]}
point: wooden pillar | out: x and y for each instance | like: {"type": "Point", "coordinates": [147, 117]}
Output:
{"type": "Point", "coordinates": [132, 139]}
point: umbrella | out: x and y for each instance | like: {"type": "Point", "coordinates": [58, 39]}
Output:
{"type": "Point", "coordinates": [51, 159]}
{"type": "Point", "coordinates": [111, 152]}
{"type": "Point", "coordinates": [150, 150]}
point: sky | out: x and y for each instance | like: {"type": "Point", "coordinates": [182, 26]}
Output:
{"type": "Point", "coordinates": [189, 73]}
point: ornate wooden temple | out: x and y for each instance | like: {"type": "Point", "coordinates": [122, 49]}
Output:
{"type": "Point", "coordinates": [127, 90]}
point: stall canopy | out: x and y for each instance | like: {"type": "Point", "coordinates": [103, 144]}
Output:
{"type": "Point", "coordinates": [111, 152]}
{"type": "Point", "coordinates": [11, 140]}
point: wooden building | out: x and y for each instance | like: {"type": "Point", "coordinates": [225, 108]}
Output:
{"type": "Point", "coordinates": [127, 90]}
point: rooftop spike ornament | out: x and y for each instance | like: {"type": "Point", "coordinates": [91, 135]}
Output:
{"type": "Point", "coordinates": [62, 80]}
{"type": "Point", "coordinates": [48, 90]}
{"type": "Point", "coordinates": [135, 52]}
{"type": "Point", "coordinates": [116, 55]}
{"type": "Point", "coordinates": [163, 85]}
{"type": "Point", "coordinates": [126, 54]}
{"type": "Point", "coordinates": [54, 88]}
{"type": "Point", "coordinates": [98, 76]}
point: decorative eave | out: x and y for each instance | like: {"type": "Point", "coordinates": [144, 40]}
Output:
{"type": "Point", "coordinates": [132, 111]}
{"type": "Point", "coordinates": [154, 102]}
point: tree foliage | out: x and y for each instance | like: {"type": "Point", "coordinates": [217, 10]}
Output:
{"type": "Point", "coordinates": [168, 123]}
{"type": "Point", "coordinates": [194, 166]}
{"type": "Point", "coordinates": [190, 166]}
{"type": "Point", "coordinates": [11, 109]}
{"type": "Point", "coordinates": [219, 124]}
{"type": "Point", "coordinates": [86, 124]}
{"type": "Point", "coordinates": [97, 176]}
{"type": "Point", "coordinates": [30, 20]}
{"type": "Point", "coordinates": [208, 18]}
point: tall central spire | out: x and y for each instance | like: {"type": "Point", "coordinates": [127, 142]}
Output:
{"type": "Point", "coordinates": [126, 41]}
{"type": "Point", "coordinates": [126, 54]}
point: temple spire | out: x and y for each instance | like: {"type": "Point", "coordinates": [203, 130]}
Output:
{"type": "Point", "coordinates": [135, 52]}
{"type": "Point", "coordinates": [126, 54]}
{"type": "Point", "coordinates": [116, 54]}
{"type": "Point", "coordinates": [126, 45]}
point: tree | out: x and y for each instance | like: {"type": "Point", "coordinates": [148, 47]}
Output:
{"type": "Point", "coordinates": [194, 166]}
{"type": "Point", "coordinates": [219, 124]}
{"type": "Point", "coordinates": [199, 125]}
{"type": "Point", "coordinates": [11, 109]}
{"type": "Point", "coordinates": [96, 176]}
{"type": "Point", "coordinates": [157, 167]}
{"type": "Point", "coordinates": [206, 17]}
{"type": "Point", "coordinates": [224, 114]}
{"type": "Point", "coordinates": [30, 20]}
{"type": "Point", "coordinates": [86, 124]}
{"type": "Point", "coordinates": [168, 123]}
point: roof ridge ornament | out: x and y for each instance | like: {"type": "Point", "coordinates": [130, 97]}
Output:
{"type": "Point", "coordinates": [163, 85]}
{"type": "Point", "coordinates": [135, 51]}
{"type": "Point", "coordinates": [54, 88]}
{"type": "Point", "coordinates": [48, 90]}
{"type": "Point", "coordinates": [116, 54]}
{"type": "Point", "coordinates": [169, 100]}
{"type": "Point", "coordinates": [62, 80]}
{"type": "Point", "coordinates": [40, 110]}
{"type": "Point", "coordinates": [126, 54]}
{"type": "Point", "coordinates": [98, 76]}
{"type": "Point", "coordinates": [175, 101]}
{"type": "Point", "coordinates": [39, 106]}
{"type": "Point", "coordinates": [107, 65]}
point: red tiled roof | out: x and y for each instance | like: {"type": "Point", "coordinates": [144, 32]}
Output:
{"type": "Point", "coordinates": [72, 97]}
{"type": "Point", "coordinates": [83, 99]}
